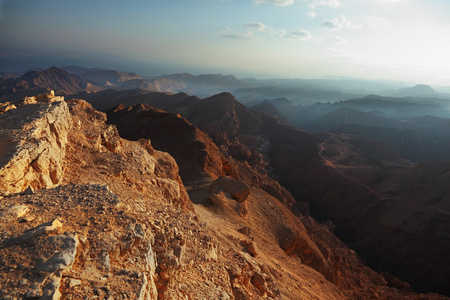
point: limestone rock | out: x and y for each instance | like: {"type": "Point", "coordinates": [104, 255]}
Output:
{"type": "Point", "coordinates": [4, 107]}
{"type": "Point", "coordinates": [251, 247]}
{"type": "Point", "coordinates": [48, 227]}
{"type": "Point", "coordinates": [239, 190]}
{"type": "Point", "coordinates": [48, 96]}
{"type": "Point", "coordinates": [104, 261]}
{"type": "Point", "coordinates": [34, 139]}
{"type": "Point", "coordinates": [259, 282]}
{"type": "Point", "coordinates": [51, 290]}
{"type": "Point", "coordinates": [64, 259]}
{"type": "Point", "coordinates": [74, 282]}
{"type": "Point", "coordinates": [13, 212]}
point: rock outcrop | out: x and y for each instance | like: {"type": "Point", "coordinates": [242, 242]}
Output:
{"type": "Point", "coordinates": [34, 138]}
{"type": "Point", "coordinates": [196, 154]}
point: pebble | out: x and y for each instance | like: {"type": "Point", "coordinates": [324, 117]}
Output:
{"type": "Point", "coordinates": [33, 294]}
{"type": "Point", "coordinates": [23, 282]}
{"type": "Point", "coordinates": [74, 282]}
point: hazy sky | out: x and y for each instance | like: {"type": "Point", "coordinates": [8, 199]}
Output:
{"type": "Point", "coordinates": [389, 39]}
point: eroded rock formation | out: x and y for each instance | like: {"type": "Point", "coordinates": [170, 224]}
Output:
{"type": "Point", "coordinates": [34, 138]}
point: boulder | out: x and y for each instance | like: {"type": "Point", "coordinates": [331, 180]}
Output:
{"type": "Point", "coordinates": [238, 190]}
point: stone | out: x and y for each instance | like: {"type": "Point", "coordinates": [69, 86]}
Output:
{"type": "Point", "coordinates": [33, 294]}
{"type": "Point", "coordinates": [239, 190]}
{"type": "Point", "coordinates": [180, 253]}
{"type": "Point", "coordinates": [74, 282]}
{"type": "Point", "coordinates": [260, 283]}
{"type": "Point", "coordinates": [251, 247]}
{"type": "Point", "coordinates": [13, 212]}
{"type": "Point", "coordinates": [41, 229]}
{"type": "Point", "coordinates": [211, 254]}
{"type": "Point", "coordinates": [4, 107]}
{"type": "Point", "coordinates": [51, 290]}
{"type": "Point", "coordinates": [104, 261]}
{"type": "Point", "coordinates": [63, 259]}
{"type": "Point", "coordinates": [36, 138]}
{"type": "Point", "coordinates": [23, 282]}
{"type": "Point", "coordinates": [28, 191]}
{"type": "Point", "coordinates": [48, 97]}
{"type": "Point", "coordinates": [143, 292]}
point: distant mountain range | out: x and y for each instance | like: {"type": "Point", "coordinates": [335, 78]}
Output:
{"type": "Point", "coordinates": [386, 119]}
{"type": "Point", "coordinates": [71, 79]}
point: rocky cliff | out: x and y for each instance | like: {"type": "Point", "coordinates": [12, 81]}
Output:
{"type": "Point", "coordinates": [34, 139]}
{"type": "Point", "coordinates": [86, 214]}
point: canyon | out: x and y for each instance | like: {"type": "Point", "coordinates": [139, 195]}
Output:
{"type": "Point", "coordinates": [172, 196]}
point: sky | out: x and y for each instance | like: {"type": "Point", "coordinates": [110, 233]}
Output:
{"type": "Point", "coordinates": [406, 40]}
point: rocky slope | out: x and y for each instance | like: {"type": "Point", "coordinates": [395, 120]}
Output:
{"type": "Point", "coordinates": [290, 134]}
{"type": "Point", "coordinates": [118, 224]}
{"type": "Point", "coordinates": [197, 156]}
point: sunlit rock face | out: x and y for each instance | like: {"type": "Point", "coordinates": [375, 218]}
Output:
{"type": "Point", "coordinates": [34, 138]}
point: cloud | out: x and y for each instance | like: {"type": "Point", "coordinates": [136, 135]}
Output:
{"type": "Point", "coordinates": [329, 3]}
{"type": "Point", "coordinates": [238, 35]}
{"type": "Point", "coordinates": [311, 14]}
{"type": "Point", "coordinates": [319, 39]}
{"type": "Point", "coordinates": [389, 1]}
{"type": "Point", "coordinates": [338, 39]}
{"type": "Point", "coordinates": [227, 33]}
{"type": "Point", "coordinates": [275, 2]}
{"type": "Point", "coordinates": [301, 34]}
{"type": "Point", "coordinates": [258, 26]}
{"type": "Point", "coordinates": [339, 23]}
{"type": "Point", "coordinates": [257, 31]}
{"type": "Point", "coordinates": [279, 32]}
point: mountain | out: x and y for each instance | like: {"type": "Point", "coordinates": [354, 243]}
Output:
{"type": "Point", "coordinates": [225, 98]}
{"type": "Point", "coordinates": [87, 214]}
{"type": "Point", "coordinates": [400, 106]}
{"type": "Point", "coordinates": [196, 154]}
{"type": "Point", "coordinates": [74, 79]}
{"type": "Point", "coordinates": [105, 99]}
{"type": "Point", "coordinates": [337, 178]}
{"type": "Point", "coordinates": [111, 78]}
{"type": "Point", "coordinates": [420, 90]}
{"type": "Point", "coordinates": [335, 83]}
{"type": "Point", "coordinates": [233, 199]}
{"type": "Point", "coordinates": [204, 85]}
{"type": "Point", "coordinates": [268, 108]}
{"type": "Point", "coordinates": [420, 139]}
{"type": "Point", "coordinates": [297, 94]}
{"type": "Point", "coordinates": [7, 75]}
{"type": "Point", "coordinates": [35, 82]}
